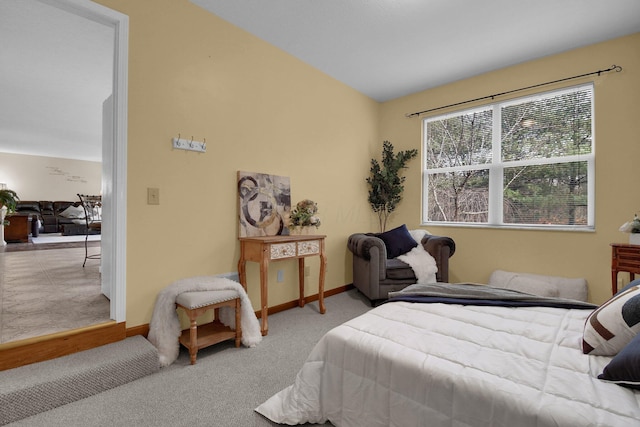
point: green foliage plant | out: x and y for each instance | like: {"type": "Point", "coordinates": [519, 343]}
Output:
{"type": "Point", "coordinates": [632, 226]}
{"type": "Point", "coordinates": [8, 198]}
{"type": "Point", "coordinates": [304, 214]}
{"type": "Point", "coordinates": [385, 183]}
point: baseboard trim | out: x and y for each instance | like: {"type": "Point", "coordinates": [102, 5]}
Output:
{"type": "Point", "coordinates": [293, 304]}
{"type": "Point", "coordinates": [138, 330]}
{"type": "Point", "coordinates": [32, 350]}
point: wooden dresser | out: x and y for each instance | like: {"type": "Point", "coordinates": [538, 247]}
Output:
{"type": "Point", "coordinates": [624, 257]}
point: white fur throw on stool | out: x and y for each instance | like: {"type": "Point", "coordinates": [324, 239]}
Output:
{"type": "Point", "coordinates": [164, 329]}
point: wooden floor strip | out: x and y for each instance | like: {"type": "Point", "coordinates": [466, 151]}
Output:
{"type": "Point", "coordinates": [32, 350]}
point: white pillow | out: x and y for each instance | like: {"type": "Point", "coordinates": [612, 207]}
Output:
{"type": "Point", "coordinates": [531, 285]}
{"type": "Point", "coordinates": [614, 324]}
{"type": "Point", "coordinates": [73, 212]}
{"type": "Point", "coordinates": [568, 288]}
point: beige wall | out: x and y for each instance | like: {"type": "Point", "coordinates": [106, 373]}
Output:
{"type": "Point", "coordinates": [260, 110]}
{"type": "Point", "coordinates": [571, 254]}
{"type": "Point", "coordinates": [49, 178]}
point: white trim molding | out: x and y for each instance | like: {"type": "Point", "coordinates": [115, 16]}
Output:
{"type": "Point", "coordinates": [114, 155]}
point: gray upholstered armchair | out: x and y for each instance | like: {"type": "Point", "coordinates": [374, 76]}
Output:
{"type": "Point", "coordinates": [375, 275]}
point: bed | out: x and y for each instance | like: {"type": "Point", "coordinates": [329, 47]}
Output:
{"type": "Point", "coordinates": [454, 364]}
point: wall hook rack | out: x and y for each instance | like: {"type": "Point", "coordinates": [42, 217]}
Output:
{"type": "Point", "coordinates": [189, 144]}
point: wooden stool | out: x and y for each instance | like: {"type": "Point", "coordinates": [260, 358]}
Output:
{"type": "Point", "coordinates": [197, 303]}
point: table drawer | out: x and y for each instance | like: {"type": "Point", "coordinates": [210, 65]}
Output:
{"type": "Point", "coordinates": [311, 247]}
{"type": "Point", "coordinates": [628, 255]}
{"type": "Point", "coordinates": [282, 250]}
{"type": "Point", "coordinates": [293, 249]}
{"type": "Point", "coordinates": [626, 265]}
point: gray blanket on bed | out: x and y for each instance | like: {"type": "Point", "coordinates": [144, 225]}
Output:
{"type": "Point", "coordinates": [470, 293]}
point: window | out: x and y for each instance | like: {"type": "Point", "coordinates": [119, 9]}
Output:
{"type": "Point", "coordinates": [527, 162]}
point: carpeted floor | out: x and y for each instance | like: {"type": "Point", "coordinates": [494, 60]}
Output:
{"type": "Point", "coordinates": [33, 389]}
{"type": "Point", "coordinates": [225, 385]}
{"type": "Point", "coordinates": [48, 291]}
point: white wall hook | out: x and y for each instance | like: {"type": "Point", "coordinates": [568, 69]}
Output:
{"type": "Point", "coordinates": [191, 145]}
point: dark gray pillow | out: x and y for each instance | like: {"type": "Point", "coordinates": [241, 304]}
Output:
{"type": "Point", "coordinates": [397, 241]}
{"type": "Point", "coordinates": [624, 368]}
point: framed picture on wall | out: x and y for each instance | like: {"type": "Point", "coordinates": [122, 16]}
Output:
{"type": "Point", "coordinates": [264, 204]}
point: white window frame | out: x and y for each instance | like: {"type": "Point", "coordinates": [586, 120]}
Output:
{"type": "Point", "coordinates": [497, 166]}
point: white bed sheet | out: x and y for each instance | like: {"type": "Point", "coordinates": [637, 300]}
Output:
{"type": "Point", "coordinates": [404, 365]}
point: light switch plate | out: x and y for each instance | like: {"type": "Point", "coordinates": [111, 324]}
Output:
{"type": "Point", "coordinates": [153, 196]}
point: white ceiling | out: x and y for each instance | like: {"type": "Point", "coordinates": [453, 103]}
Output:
{"type": "Point", "coordinates": [55, 72]}
{"type": "Point", "coordinates": [56, 68]}
{"type": "Point", "coordinates": [391, 48]}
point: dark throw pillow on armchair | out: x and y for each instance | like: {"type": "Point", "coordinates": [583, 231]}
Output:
{"type": "Point", "coordinates": [397, 241]}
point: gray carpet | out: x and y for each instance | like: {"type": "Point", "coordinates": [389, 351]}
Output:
{"type": "Point", "coordinates": [225, 385]}
{"type": "Point", "coordinates": [48, 291]}
{"type": "Point", "coordinates": [40, 387]}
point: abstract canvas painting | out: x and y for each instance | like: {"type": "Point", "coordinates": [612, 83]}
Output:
{"type": "Point", "coordinates": [264, 204]}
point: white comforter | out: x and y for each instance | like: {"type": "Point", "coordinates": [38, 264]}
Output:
{"type": "Point", "coordinates": [404, 365]}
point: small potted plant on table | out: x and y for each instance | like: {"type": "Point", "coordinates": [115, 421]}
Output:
{"type": "Point", "coordinates": [303, 217]}
{"type": "Point", "coordinates": [633, 228]}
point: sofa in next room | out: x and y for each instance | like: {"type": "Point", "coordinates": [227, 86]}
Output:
{"type": "Point", "coordinates": [55, 217]}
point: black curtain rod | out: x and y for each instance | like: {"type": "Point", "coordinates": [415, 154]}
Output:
{"type": "Point", "coordinates": [614, 67]}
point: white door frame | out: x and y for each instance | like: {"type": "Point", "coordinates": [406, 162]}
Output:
{"type": "Point", "coordinates": [114, 156]}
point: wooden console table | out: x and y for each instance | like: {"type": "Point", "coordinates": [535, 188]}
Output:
{"type": "Point", "coordinates": [276, 248]}
{"type": "Point", "coordinates": [624, 257]}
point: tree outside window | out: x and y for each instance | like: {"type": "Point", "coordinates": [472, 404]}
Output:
{"type": "Point", "coordinates": [524, 162]}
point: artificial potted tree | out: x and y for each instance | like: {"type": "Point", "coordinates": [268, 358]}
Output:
{"type": "Point", "coordinates": [8, 201]}
{"type": "Point", "coordinates": [385, 183]}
